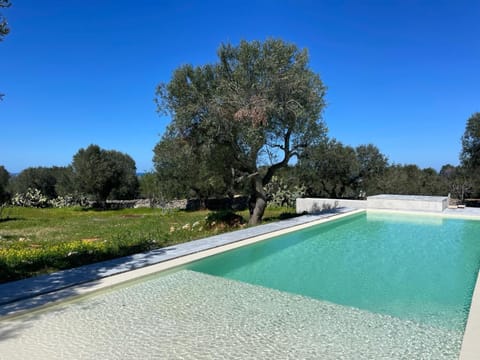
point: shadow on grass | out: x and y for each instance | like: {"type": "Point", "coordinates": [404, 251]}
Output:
{"type": "Point", "coordinates": [7, 219]}
{"type": "Point", "coordinates": [282, 216]}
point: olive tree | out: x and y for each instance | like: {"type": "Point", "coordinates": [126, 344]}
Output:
{"type": "Point", "coordinates": [104, 174]}
{"type": "Point", "coordinates": [185, 170]}
{"type": "Point", "coordinates": [45, 179]}
{"type": "Point", "coordinates": [260, 103]}
{"type": "Point", "coordinates": [329, 169]}
{"type": "Point", "coordinates": [4, 178]}
{"type": "Point", "coordinates": [372, 165]}
{"type": "Point", "coordinates": [455, 181]}
{"type": "Point", "coordinates": [470, 154]}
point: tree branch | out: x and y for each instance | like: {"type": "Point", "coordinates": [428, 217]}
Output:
{"type": "Point", "coordinates": [287, 155]}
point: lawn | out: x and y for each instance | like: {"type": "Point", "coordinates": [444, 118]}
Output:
{"type": "Point", "coordinates": [36, 241]}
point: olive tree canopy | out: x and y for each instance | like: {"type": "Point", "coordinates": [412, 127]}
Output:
{"type": "Point", "coordinates": [104, 174]}
{"type": "Point", "coordinates": [260, 105]}
{"type": "Point", "coordinates": [470, 155]}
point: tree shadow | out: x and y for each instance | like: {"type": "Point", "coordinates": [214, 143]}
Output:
{"type": "Point", "coordinates": [11, 219]}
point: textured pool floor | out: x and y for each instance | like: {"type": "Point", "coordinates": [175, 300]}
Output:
{"type": "Point", "coordinates": [189, 315]}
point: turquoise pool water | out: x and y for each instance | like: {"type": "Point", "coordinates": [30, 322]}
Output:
{"type": "Point", "coordinates": [413, 267]}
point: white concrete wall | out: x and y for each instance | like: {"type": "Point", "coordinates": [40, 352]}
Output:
{"type": "Point", "coordinates": [313, 205]}
{"type": "Point", "coordinates": [408, 202]}
{"type": "Point", "coordinates": [392, 202]}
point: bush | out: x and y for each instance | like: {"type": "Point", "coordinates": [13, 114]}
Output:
{"type": "Point", "coordinates": [281, 194]}
{"type": "Point", "coordinates": [32, 198]}
{"type": "Point", "coordinates": [222, 219]}
{"type": "Point", "coordinates": [35, 198]}
{"type": "Point", "coordinates": [69, 201]}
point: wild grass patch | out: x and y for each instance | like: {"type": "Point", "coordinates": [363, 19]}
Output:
{"type": "Point", "coordinates": [37, 241]}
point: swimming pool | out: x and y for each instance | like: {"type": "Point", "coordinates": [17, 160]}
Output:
{"type": "Point", "coordinates": [355, 298]}
{"type": "Point", "coordinates": [413, 267]}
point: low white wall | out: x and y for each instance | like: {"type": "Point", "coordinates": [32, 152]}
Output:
{"type": "Point", "coordinates": [314, 205]}
{"type": "Point", "coordinates": [408, 202]}
{"type": "Point", "coordinates": [392, 202]}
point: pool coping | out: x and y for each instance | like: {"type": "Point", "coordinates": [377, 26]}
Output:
{"type": "Point", "coordinates": [470, 346]}
{"type": "Point", "coordinates": [35, 294]}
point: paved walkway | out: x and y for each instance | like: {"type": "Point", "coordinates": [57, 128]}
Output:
{"type": "Point", "coordinates": [463, 212]}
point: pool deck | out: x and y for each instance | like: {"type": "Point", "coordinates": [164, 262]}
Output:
{"type": "Point", "coordinates": [23, 296]}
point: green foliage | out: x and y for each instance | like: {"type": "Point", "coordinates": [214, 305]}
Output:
{"type": "Point", "coordinates": [125, 175]}
{"type": "Point", "coordinates": [51, 182]}
{"type": "Point", "coordinates": [280, 193]}
{"type": "Point", "coordinates": [4, 178]}
{"type": "Point", "coordinates": [30, 198]}
{"type": "Point", "coordinates": [69, 201]}
{"type": "Point", "coordinates": [372, 165]}
{"type": "Point", "coordinates": [255, 109]}
{"type": "Point", "coordinates": [222, 219]}
{"type": "Point", "coordinates": [64, 185]}
{"type": "Point", "coordinates": [150, 187]}
{"type": "Point", "coordinates": [457, 181]}
{"type": "Point", "coordinates": [35, 199]}
{"type": "Point", "coordinates": [104, 174]}
{"type": "Point", "coordinates": [470, 155]}
{"type": "Point", "coordinates": [92, 173]}
{"type": "Point", "coordinates": [3, 212]}
{"type": "Point", "coordinates": [185, 171]}
{"type": "Point", "coordinates": [330, 169]}
{"type": "Point", "coordinates": [333, 170]}
{"type": "Point", "coordinates": [411, 180]}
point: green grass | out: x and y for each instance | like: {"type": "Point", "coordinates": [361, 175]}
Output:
{"type": "Point", "coordinates": [36, 241]}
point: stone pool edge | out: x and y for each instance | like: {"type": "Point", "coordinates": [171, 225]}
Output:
{"type": "Point", "coordinates": [470, 349]}
{"type": "Point", "coordinates": [24, 296]}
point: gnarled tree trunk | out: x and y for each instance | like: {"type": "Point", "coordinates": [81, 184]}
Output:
{"type": "Point", "coordinates": [257, 202]}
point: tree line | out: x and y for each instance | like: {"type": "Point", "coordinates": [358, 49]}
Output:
{"type": "Point", "coordinates": [95, 174]}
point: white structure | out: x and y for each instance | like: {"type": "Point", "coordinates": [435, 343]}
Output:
{"type": "Point", "coordinates": [392, 202]}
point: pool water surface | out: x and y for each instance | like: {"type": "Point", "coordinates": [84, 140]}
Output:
{"type": "Point", "coordinates": [414, 267]}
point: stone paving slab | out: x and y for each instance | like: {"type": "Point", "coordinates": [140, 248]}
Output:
{"type": "Point", "coordinates": [44, 284]}
{"type": "Point", "coordinates": [467, 211]}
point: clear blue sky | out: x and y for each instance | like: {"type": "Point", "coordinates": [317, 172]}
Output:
{"type": "Point", "coordinates": [403, 75]}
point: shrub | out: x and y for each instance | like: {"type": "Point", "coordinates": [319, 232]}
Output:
{"type": "Point", "coordinates": [69, 201]}
{"type": "Point", "coordinates": [281, 194]}
{"type": "Point", "coordinates": [222, 219]}
{"type": "Point", "coordinates": [32, 198]}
